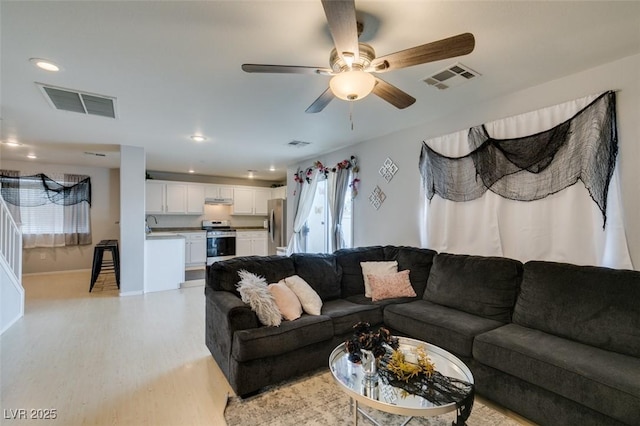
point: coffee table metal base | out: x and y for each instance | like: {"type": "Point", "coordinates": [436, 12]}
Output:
{"type": "Point", "coordinates": [356, 410]}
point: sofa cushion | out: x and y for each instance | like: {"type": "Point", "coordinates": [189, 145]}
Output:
{"type": "Point", "coordinates": [349, 260]}
{"type": "Point", "coordinates": [484, 286]}
{"type": "Point", "coordinates": [269, 341]}
{"type": "Point", "coordinates": [593, 305]}
{"type": "Point", "coordinates": [286, 300]}
{"type": "Point", "coordinates": [346, 314]}
{"type": "Point", "coordinates": [321, 271]}
{"type": "Point", "coordinates": [309, 299]}
{"type": "Point", "coordinates": [391, 286]}
{"type": "Point", "coordinates": [605, 381]}
{"type": "Point", "coordinates": [361, 299]}
{"type": "Point", "coordinates": [376, 268]}
{"type": "Point", "coordinates": [417, 260]}
{"type": "Point", "coordinates": [451, 329]}
{"type": "Point", "coordinates": [224, 275]}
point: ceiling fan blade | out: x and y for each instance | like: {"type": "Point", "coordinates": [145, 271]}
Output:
{"type": "Point", "coordinates": [392, 94]}
{"type": "Point", "coordinates": [322, 101]}
{"type": "Point", "coordinates": [284, 69]}
{"type": "Point", "coordinates": [341, 16]}
{"type": "Point", "coordinates": [451, 47]}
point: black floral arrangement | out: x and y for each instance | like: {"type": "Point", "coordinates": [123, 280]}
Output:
{"type": "Point", "coordinates": [366, 338]}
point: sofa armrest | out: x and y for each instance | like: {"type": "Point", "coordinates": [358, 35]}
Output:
{"type": "Point", "coordinates": [225, 313]}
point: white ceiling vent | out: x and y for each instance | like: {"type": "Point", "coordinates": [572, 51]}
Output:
{"type": "Point", "coordinates": [452, 76]}
{"type": "Point", "coordinates": [298, 144]}
{"type": "Point", "coordinates": [76, 101]}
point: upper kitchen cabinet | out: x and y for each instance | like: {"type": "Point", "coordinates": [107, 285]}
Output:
{"type": "Point", "coordinates": [174, 198]}
{"type": "Point", "coordinates": [250, 201]}
{"type": "Point", "coordinates": [279, 192]}
{"type": "Point", "coordinates": [220, 192]}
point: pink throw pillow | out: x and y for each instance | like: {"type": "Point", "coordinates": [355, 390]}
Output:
{"type": "Point", "coordinates": [286, 301]}
{"type": "Point", "coordinates": [390, 286]}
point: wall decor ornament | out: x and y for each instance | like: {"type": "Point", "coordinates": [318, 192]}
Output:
{"type": "Point", "coordinates": [377, 197]}
{"type": "Point", "coordinates": [388, 169]}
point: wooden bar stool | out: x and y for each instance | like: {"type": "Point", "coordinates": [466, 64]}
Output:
{"type": "Point", "coordinates": [100, 264]}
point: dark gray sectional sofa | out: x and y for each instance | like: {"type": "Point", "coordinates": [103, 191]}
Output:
{"type": "Point", "coordinates": [557, 343]}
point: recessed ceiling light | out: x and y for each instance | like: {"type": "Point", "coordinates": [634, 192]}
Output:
{"type": "Point", "coordinates": [11, 143]}
{"type": "Point", "coordinates": [272, 169]}
{"type": "Point", "coordinates": [198, 138]}
{"type": "Point", "coordinates": [32, 156]}
{"type": "Point", "coordinates": [45, 64]}
{"type": "Point", "coordinates": [191, 171]}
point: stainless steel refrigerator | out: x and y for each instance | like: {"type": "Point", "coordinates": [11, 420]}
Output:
{"type": "Point", "coordinates": [277, 223]}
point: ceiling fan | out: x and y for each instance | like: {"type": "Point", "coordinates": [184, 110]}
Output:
{"type": "Point", "coordinates": [352, 64]}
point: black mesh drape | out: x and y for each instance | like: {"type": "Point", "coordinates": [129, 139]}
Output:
{"type": "Point", "coordinates": [531, 167]}
{"type": "Point", "coordinates": [38, 190]}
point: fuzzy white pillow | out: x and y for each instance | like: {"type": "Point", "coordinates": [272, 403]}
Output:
{"type": "Point", "coordinates": [376, 268]}
{"type": "Point", "coordinates": [254, 292]}
{"type": "Point", "coordinates": [309, 299]}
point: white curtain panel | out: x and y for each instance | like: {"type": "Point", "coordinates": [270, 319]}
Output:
{"type": "Point", "coordinates": [305, 202]}
{"type": "Point", "coordinates": [563, 227]}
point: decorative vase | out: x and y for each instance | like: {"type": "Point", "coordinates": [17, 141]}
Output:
{"type": "Point", "coordinates": [369, 365]}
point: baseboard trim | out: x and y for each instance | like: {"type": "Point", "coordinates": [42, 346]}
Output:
{"type": "Point", "coordinates": [70, 271]}
{"type": "Point", "coordinates": [131, 293]}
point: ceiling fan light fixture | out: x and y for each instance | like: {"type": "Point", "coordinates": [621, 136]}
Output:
{"type": "Point", "coordinates": [352, 85]}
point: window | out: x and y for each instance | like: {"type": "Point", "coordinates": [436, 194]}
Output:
{"type": "Point", "coordinates": [52, 211]}
{"type": "Point", "coordinates": [320, 224]}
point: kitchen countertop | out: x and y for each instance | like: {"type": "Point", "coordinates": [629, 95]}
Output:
{"type": "Point", "coordinates": [164, 236]}
{"type": "Point", "coordinates": [177, 230]}
{"type": "Point", "coordinates": [249, 228]}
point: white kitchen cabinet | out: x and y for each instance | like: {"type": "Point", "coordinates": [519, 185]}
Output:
{"type": "Point", "coordinates": [260, 198]}
{"type": "Point", "coordinates": [279, 192]}
{"type": "Point", "coordinates": [154, 197]}
{"type": "Point", "coordinates": [195, 248]}
{"type": "Point", "coordinates": [251, 243]}
{"type": "Point", "coordinates": [195, 199]}
{"type": "Point", "coordinates": [176, 201]}
{"type": "Point", "coordinates": [242, 200]}
{"type": "Point", "coordinates": [219, 191]}
{"type": "Point", "coordinates": [250, 201]}
{"type": "Point", "coordinates": [163, 197]}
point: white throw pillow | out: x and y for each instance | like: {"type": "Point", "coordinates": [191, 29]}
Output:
{"type": "Point", "coordinates": [254, 292]}
{"type": "Point", "coordinates": [376, 268]}
{"type": "Point", "coordinates": [309, 299]}
{"type": "Point", "coordinates": [287, 301]}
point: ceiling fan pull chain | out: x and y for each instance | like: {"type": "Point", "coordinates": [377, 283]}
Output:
{"type": "Point", "coordinates": [351, 114]}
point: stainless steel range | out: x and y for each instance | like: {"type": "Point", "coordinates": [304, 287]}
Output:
{"type": "Point", "coordinates": [221, 240]}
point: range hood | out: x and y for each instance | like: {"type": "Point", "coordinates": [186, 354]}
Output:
{"type": "Point", "coordinates": [218, 201]}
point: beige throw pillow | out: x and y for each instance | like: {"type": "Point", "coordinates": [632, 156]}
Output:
{"type": "Point", "coordinates": [391, 286]}
{"type": "Point", "coordinates": [376, 268]}
{"type": "Point", "coordinates": [309, 299]}
{"type": "Point", "coordinates": [287, 301]}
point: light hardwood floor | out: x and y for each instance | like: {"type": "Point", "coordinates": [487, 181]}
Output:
{"type": "Point", "coordinates": [100, 359]}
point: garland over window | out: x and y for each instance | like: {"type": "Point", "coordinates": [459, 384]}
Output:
{"type": "Point", "coordinates": [305, 175]}
{"type": "Point", "coordinates": [43, 190]}
{"type": "Point", "coordinates": [531, 167]}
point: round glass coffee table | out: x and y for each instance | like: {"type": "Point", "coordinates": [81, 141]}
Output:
{"type": "Point", "coordinates": [384, 397]}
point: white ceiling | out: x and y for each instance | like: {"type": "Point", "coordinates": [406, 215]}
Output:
{"type": "Point", "coordinates": [174, 68]}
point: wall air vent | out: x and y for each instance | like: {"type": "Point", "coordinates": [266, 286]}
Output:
{"type": "Point", "coordinates": [76, 101]}
{"type": "Point", "coordinates": [298, 144]}
{"type": "Point", "coordinates": [453, 76]}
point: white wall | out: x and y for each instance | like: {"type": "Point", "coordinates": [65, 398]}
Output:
{"type": "Point", "coordinates": [398, 220]}
{"type": "Point", "coordinates": [103, 218]}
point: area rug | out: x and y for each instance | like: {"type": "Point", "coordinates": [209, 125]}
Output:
{"type": "Point", "coordinates": [316, 400]}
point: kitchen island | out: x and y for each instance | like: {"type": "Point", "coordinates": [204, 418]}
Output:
{"type": "Point", "coordinates": [164, 259]}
